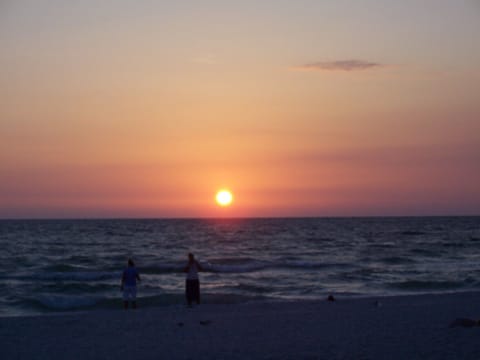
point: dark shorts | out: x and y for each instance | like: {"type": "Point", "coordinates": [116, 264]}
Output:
{"type": "Point", "coordinates": [192, 291]}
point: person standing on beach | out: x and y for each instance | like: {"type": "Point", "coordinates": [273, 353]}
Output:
{"type": "Point", "coordinates": [192, 283]}
{"type": "Point", "coordinates": [129, 284]}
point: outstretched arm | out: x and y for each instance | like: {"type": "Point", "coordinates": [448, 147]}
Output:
{"type": "Point", "coordinates": [200, 268]}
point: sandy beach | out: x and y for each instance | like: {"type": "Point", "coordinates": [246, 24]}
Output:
{"type": "Point", "coordinates": [406, 327]}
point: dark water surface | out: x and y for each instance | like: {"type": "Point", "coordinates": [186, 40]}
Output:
{"type": "Point", "coordinates": [64, 265]}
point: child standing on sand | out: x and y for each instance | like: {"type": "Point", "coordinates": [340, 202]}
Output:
{"type": "Point", "coordinates": [129, 284]}
{"type": "Point", "coordinates": [192, 283]}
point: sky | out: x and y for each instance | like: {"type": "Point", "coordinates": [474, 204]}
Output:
{"type": "Point", "coordinates": [122, 108]}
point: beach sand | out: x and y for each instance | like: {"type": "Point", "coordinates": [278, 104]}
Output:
{"type": "Point", "coordinates": [405, 327]}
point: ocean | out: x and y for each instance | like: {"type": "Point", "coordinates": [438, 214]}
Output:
{"type": "Point", "coordinates": [51, 266]}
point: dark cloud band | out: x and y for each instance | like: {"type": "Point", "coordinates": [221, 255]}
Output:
{"type": "Point", "coordinates": [339, 65]}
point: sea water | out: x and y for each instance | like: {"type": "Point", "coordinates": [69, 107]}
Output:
{"type": "Point", "coordinates": [68, 265]}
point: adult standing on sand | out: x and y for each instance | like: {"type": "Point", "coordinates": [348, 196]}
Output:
{"type": "Point", "coordinates": [192, 283]}
{"type": "Point", "coordinates": [129, 284]}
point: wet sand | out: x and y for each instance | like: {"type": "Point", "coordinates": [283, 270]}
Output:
{"type": "Point", "coordinates": [406, 327]}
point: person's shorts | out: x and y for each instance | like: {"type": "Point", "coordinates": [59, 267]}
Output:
{"type": "Point", "coordinates": [129, 293]}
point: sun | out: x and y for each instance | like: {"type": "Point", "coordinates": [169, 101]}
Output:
{"type": "Point", "coordinates": [224, 197]}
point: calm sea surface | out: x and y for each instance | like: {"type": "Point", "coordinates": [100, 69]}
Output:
{"type": "Point", "coordinates": [67, 265]}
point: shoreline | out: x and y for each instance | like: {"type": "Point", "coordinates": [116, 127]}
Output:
{"type": "Point", "coordinates": [153, 302]}
{"type": "Point", "coordinates": [395, 327]}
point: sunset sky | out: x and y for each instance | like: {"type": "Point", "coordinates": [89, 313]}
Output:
{"type": "Point", "coordinates": [301, 108]}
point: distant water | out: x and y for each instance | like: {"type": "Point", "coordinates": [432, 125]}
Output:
{"type": "Point", "coordinates": [69, 265]}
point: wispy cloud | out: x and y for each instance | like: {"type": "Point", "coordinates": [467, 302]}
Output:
{"type": "Point", "coordinates": [205, 59]}
{"type": "Point", "coordinates": [338, 65]}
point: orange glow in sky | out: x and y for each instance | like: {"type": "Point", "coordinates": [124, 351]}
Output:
{"type": "Point", "coordinates": [305, 108]}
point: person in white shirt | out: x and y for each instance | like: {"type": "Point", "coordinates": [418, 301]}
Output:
{"type": "Point", "coordinates": [192, 283]}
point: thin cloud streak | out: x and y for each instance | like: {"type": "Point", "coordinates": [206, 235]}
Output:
{"type": "Point", "coordinates": [207, 59]}
{"type": "Point", "coordinates": [339, 65]}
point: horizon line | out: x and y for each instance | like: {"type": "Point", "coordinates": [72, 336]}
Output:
{"type": "Point", "coordinates": [233, 217]}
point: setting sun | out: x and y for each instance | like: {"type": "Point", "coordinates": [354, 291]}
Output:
{"type": "Point", "coordinates": [224, 198]}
